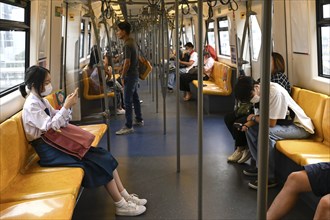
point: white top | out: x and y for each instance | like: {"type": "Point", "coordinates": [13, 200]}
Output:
{"type": "Point", "coordinates": [194, 57]}
{"type": "Point", "coordinates": [208, 65]}
{"type": "Point", "coordinates": [35, 119]}
{"type": "Point", "coordinates": [279, 102]}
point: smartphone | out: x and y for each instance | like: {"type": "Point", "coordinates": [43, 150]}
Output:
{"type": "Point", "coordinates": [75, 93]}
{"type": "Point", "coordinates": [238, 126]}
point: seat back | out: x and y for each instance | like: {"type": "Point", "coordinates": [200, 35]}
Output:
{"type": "Point", "coordinates": [295, 92]}
{"type": "Point", "coordinates": [326, 123]}
{"type": "Point", "coordinates": [313, 105]}
{"type": "Point", "coordinates": [86, 90]}
{"type": "Point", "coordinates": [11, 156]}
{"type": "Point", "coordinates": [222, 75]}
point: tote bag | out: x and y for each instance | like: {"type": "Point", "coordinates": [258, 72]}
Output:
{"type": "Point", "coordinates": [71, 139]}
{"type": "Point", "coordinates": [144, 68]}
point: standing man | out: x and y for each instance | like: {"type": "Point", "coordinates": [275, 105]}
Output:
{"type": "Point", "coordinates": [130, 79]}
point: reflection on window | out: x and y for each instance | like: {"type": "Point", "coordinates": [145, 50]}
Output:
{"type": "Point", "coordinates": [210, 34]}
{"type": "Point", "coordinates": [12, 53]}
{"type": "Point", "coordinates": [11, 13]}
{"type": "Point", "coordinates": [13, 45]}
{"type": "Point", "coordinates": [323, 37]}
{"type": "Point", "coordinates": [82, 38]}
{"type": "Point", "coordinates": [256, 37]}
{"type": "Point", "coordinates": [224, 46]}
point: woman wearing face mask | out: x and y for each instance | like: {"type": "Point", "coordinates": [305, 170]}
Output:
{"type": "Point", "coordinates": [287, 120]}
{"type": "Point", "coordinates": [98, 164]}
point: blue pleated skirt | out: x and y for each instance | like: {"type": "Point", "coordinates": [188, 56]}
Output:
{"type": "Point", "coordinates": [98, 164]}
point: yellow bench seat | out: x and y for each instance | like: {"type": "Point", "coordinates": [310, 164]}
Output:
{"type": "Point", "coordinates": [54, 207]}
{"type": "Point", "coordinates": [212, 89]}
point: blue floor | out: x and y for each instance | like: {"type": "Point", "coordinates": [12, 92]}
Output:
{"type": "Point", "coordinates": [148, 166]}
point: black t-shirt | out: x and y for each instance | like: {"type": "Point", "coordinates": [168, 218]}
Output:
{"type": "Point", "coordinates": [130, 52]}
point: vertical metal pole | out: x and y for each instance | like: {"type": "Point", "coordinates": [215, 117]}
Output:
{"type": "Point", "coordinates": [154, 71]}
{"type": "Point", "coordinates": [264, 111]}
{"type": "Point", "coordinates": [200, 109]}
{"type": "Point", "coordinates": [106, 99]}
{"type": "Point", "coordinates": [177, 86]}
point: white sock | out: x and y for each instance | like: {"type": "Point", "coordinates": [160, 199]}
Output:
{"type": "Point", "coordinates": [120, 203]}
{"type": "Point", "coordinates": [125, 194]}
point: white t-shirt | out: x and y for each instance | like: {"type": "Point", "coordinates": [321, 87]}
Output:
{"type": "Point", "coordinates": [279, 102]}
{"type": "Point", "coordinates": [208, 65]}
{"type": "Point", "coordinates": [194, 57]}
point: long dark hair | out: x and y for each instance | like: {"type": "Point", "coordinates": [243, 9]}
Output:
{"type": "Point", "coordinates": [279, 64]}
{"type": "Point", "coordinates": [94, 58]}
{"type": "Point", "coordinates": [34, 77]}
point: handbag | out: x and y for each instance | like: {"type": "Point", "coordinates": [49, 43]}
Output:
{"type": "Point", "coordinates": [144, 68]}
{"type": "Point", "coordinates": [71, 139]}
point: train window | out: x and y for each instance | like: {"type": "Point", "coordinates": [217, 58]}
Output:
{"type": "Point", "coordinates": [89, 37]}
{"type": "Point", "coordinates": [14, 44]}
{"type": "Point", "coordinates": [323, 37]}
{"type": "Point", "coordinates": [224, 47]}
{"type": "Point", "coordinates": [82, 38]}
{"type": "Point", "coordinates": [210, 34]}
{"type": "Point", "coordinates": [256, 37]}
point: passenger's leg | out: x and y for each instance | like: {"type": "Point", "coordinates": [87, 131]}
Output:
{"type": "Point", "coordinates": [171, 80]}
{"type": "Point", "coordinates": [137, 105]}
{"type": "Point", "coordinates": [296, 183]}
{"type": "Point", "coordinates": [128, 99]}
{"type": "Point", "coordinates": [323, 208]}
{"type": "Point", "coordinates": [252, 140]}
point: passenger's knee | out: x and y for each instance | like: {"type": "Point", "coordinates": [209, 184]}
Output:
{"type": "Point", "coordinates": [293, 180]}
{"type": "Point", "coordinates": [325, 202]}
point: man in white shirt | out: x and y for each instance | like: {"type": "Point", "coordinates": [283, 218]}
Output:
{"type": "Point", "coordinates": [193, 61]}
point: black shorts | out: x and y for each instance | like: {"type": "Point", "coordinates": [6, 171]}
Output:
{"type": "Point", "coordinates": [319, 178]}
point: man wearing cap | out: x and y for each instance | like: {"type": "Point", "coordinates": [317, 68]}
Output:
{"type": "Point", "coordinates": [188, 77]}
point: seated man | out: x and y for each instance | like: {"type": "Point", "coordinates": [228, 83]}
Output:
{"type": "Point", "coordinates": [315, 178]}
{"type": "Point", "coordinates": [186, 78]}
{"type": "Point", "coordinates": [193, 60]}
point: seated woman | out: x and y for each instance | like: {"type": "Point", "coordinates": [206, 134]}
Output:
{"type": "Point", "coordinates": [95, 82]}
{"type": "Point", "coordinates": [287, 120]}
{"type": "Point", "coordinates": [98, 164]}
{"type": "Point", "coordinates": [186, 78]}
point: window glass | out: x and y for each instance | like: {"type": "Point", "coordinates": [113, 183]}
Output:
{"type": "Point", "coordinates": [82, 38]}
{"type": "Point", "coordinates": [89, 37]}
{"type": "Point", "coordinates": [224, 46]}
{"type": "Point", "coordinates": [256, 37]}
{"type": "Point", "coordinates": [12, 53]}
{"type": "Point", "coordinates": [326, 11]}
{"type": "Point", "coordinates": [325, 33]}
{"type": "Point", "coordinates": [323, 37]}
{"type": "Point", "coordinates": [11, 13]}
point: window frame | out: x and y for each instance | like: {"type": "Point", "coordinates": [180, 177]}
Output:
{"type": "Point", "coordinates": [222, 29]}
{"type": "Point", "coordinates": [8, 25]}
{"type": "Point", "coordinates": [321, 22]}
{"type": "Point", "coordinates": [209, 30]}
{"type": "Point", "coordinates": [82, 38]}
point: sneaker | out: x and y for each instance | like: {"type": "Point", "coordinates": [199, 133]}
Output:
{"type": "Point", "coordinates": [135, 198]}
{"type": "Point", "coordinates": [138, 123]}
{"type": "Point", "coordinates": [130, 209]}
{"type": "Point", "coordinates": [235, 156]}
{"type": "Point", "coordinates": [246, 155]}
{"type": "Point", "coordinates": [271, 183]}
{"type": "Point", "coordinates": [125, 130]}
{"type": "Point", "coordinates": [170, 90]}
{"type": "Point", "coordinates": [121, 111]}
{"type": "Point", "coordinates": [252, 171]}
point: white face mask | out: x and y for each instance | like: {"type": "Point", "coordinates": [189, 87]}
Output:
{"type": "Point", "coordinates": [255, 99]}
{"type": "Point", "coordinates": [48, 90]}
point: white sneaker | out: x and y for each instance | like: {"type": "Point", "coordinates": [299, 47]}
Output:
{"type": "Point", "coordinates": [121, 111]}
{"type": "Point", "coordinates": [246, 155]}
{"type": "Point", "coordinates": [130, 209]}
{"type": "Point", "coordinates": [125, 130]}
{"type": "Point", "coordinates": [135, 198]}
{"type": "Point", "coordinates": [235, 156]}
{"type": "Point", "coordinates": [138, 123]}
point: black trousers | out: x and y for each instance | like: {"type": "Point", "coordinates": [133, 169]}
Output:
{"type": "Point", "coordinates": [187, 78]}
{"type": "Point", "coordinates": [238, 136]}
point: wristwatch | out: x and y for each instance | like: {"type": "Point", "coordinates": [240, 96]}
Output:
{"type": "Point", "coordinates": [253, 118]}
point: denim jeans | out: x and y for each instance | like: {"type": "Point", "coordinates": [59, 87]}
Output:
{"type": "Point", "coordinates": [172, 77]}
{"type": "Point", "coordinates": [131, 98]}
{"type": "Point", "coordinates": [278, 132]}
